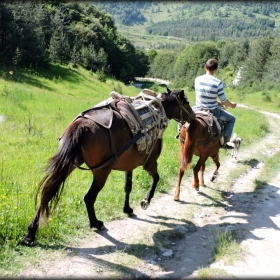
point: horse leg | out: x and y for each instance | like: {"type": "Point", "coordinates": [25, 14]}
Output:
{"type": "Point", "coordinates": [177, 190]}
{"type": "Point", "coordinates": [29, 239]}
{"type": "Point", "coordinates": [217, 165]}
{"type": "Point", "coordinates": [127, 188]}
{"type": "Point", "coordinates": [151, 168]}
{"type": "Point", "coordinates": [99, 181]}
{"type": "Point", "coordinates": [201, 176]}
{"type": "Point", "coordinates": [196, 169]}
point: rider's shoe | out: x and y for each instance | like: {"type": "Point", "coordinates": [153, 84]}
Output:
{"type": "Point", "coordinates": [228, 146]}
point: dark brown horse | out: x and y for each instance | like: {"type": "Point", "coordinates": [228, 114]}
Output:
{"type": "Point", "coordinates": [86, 141]}
{"type": "Point", "coordinates": [200, 137]}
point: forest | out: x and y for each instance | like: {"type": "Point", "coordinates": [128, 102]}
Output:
{"type": "Point", "coordinates": [238, 34]}
{"type": "Point", "coordinates": [199, 20]}
{"type": "Point", "coordinates": [259, 59]}
{"type": "Point", "coordinates": [36, 34]}
{"type": "Point", "coordinates": [194, 29]}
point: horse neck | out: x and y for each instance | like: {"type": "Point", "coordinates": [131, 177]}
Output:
{"type": "Point", "coordinates": [171, 111]}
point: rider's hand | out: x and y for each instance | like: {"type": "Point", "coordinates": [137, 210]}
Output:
{"type": "Point", "coordinates": [233, 104]}
{"type": "Point", "coordinates": [227, 103]}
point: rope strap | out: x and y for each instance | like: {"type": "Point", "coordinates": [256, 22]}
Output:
{"type": "Point", "coordinates": [114, 158]}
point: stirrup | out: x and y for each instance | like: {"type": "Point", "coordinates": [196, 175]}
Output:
{"type": "Point", "coordinates": [227, 147]}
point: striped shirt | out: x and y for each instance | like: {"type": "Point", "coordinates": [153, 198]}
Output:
{"type": "Point", "coordinates": [207, 89]}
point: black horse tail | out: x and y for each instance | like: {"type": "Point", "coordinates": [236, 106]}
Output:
{"type": "Point", "coordinates": [190, 141]}
{"type": "Point", "coordinates": [58, 169]}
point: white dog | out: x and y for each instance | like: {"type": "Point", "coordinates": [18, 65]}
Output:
{"type": "Point", "coordinates": [236, 140]}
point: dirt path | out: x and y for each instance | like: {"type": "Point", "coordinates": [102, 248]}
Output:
{"type": "Point", "coordinates": [174, 239]}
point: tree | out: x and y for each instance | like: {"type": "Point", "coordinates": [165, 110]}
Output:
{"type": "Point", "coordinates": [226, 53]}
{"type": "Point", "coordinates": [59, 48]}
{"type": "Point", "coordinates": [255, 64]}
{"type": "Point", "coordinates": [88, 58]}
{"type": "Point", "coordinates": [7, 31]}
{"type": "Point", "coordinates": [241, 53]}
{"type": "Point", "coordinates": [163, 64]}
{"type": "Point", "coordinates": [151, 55]}
{"type": "Point", "coordinates": [142, 64]}
{"type": "Point", "coordinates": [196, 59]}
{"type": "Point", "coordinates": [26, 37]}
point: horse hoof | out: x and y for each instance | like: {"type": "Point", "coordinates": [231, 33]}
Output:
{"type": "Point", "coordinates": [128, 211]}
{"type": "Point", "coordinates": [144, 204]}
{"type": "Point", "coordinates": [28, 241]}
{"type": "Point", "coordinates": [177, 199]}
{"type": "Point", "coordinates": [131, 215]}
{"type": "Point", "coordinates": [214, 177]}
{"type": "Point", "coordinates": [99, 225]}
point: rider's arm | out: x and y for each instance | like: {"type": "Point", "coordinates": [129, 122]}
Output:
{"type": "Point", "coordinates": [227, 103]}
{"type": "Point", "coordinates": [220, 104]}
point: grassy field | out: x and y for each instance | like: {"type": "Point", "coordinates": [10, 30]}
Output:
{"type": "Point", "coordinates": [35, 108]}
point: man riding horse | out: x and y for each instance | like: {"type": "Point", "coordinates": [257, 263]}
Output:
{"type": "Point", "coordinates": [207, 89]}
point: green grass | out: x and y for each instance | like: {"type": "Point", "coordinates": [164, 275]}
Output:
{"type": "Point", "coordinates": [227, 247]}
{"type": "Point", "coordinates": [272, 166]}
{"type": "Point", "coordinates": [213, 273]}
{"type": "Point", "coordinates": [36, 108]}
{"type": "Point", "coordinates": [257, 99]}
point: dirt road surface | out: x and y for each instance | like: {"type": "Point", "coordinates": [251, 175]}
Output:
{"type": "Point", "coordinates": [176, 239]}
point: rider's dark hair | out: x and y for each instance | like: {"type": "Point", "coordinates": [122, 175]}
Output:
{"type": "Point", "coordinates": [211, 64]}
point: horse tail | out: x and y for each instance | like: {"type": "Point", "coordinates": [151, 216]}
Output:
{"type": "Point", "coordinates": [190, 141]}
{"type": "Point", "coordinates": [58, 169]}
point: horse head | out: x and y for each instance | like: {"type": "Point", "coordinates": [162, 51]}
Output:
{"type": "Point", "coordinates": [176, 106]}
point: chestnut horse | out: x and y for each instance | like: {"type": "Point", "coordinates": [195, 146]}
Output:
{"type": "Point", "coordinates": [200, 137]}
{"type": "Point", "coordinates": [85, 141]}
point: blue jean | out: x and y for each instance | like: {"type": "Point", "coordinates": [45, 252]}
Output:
{"type": "Point", "coordinates": [228, 118]}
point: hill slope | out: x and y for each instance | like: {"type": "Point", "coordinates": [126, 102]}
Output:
{"type": "Point", "coordinates": [161, 24]}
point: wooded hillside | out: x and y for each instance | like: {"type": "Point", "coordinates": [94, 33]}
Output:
{"type": "Point", "coordinates": [195, 20]}
{"type": "Point", "coordinates": [35, 34]}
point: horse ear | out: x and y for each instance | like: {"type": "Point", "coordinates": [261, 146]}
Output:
{"type": "Point", "coordinates": [182, 93]}
{"type": "Point", "coordinates": [168, 90]}
{"type": "Point", "coordinates": [165, 85]}
{"type": "Point", "coordinates": [165, 96]}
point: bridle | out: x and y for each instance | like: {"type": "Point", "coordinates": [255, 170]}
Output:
{"type": "Point", "coordinates": [191, 115]}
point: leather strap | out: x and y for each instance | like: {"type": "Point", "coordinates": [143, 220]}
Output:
{"type": "Point", "coordinates": [115, 156]}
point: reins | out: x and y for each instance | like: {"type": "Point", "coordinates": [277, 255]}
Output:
{"type": "Point", "coordinates": [191, 116]}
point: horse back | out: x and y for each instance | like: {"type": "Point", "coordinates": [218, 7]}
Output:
{"type": "Point", "coordinates": [98, 143]}
{"type": "Point", "coordinates": [208, 135]}
{"type": "Point", "coordinates": [200, 137]}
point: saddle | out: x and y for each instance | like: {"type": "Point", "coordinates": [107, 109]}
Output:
{"type": "Point", "coordinates": [209, 119]}
{"type": "Point", "coordinates": [144, 114]}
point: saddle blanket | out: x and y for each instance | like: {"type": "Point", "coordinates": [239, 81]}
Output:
{"type": "Point", "coordinates": [143, 113]}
